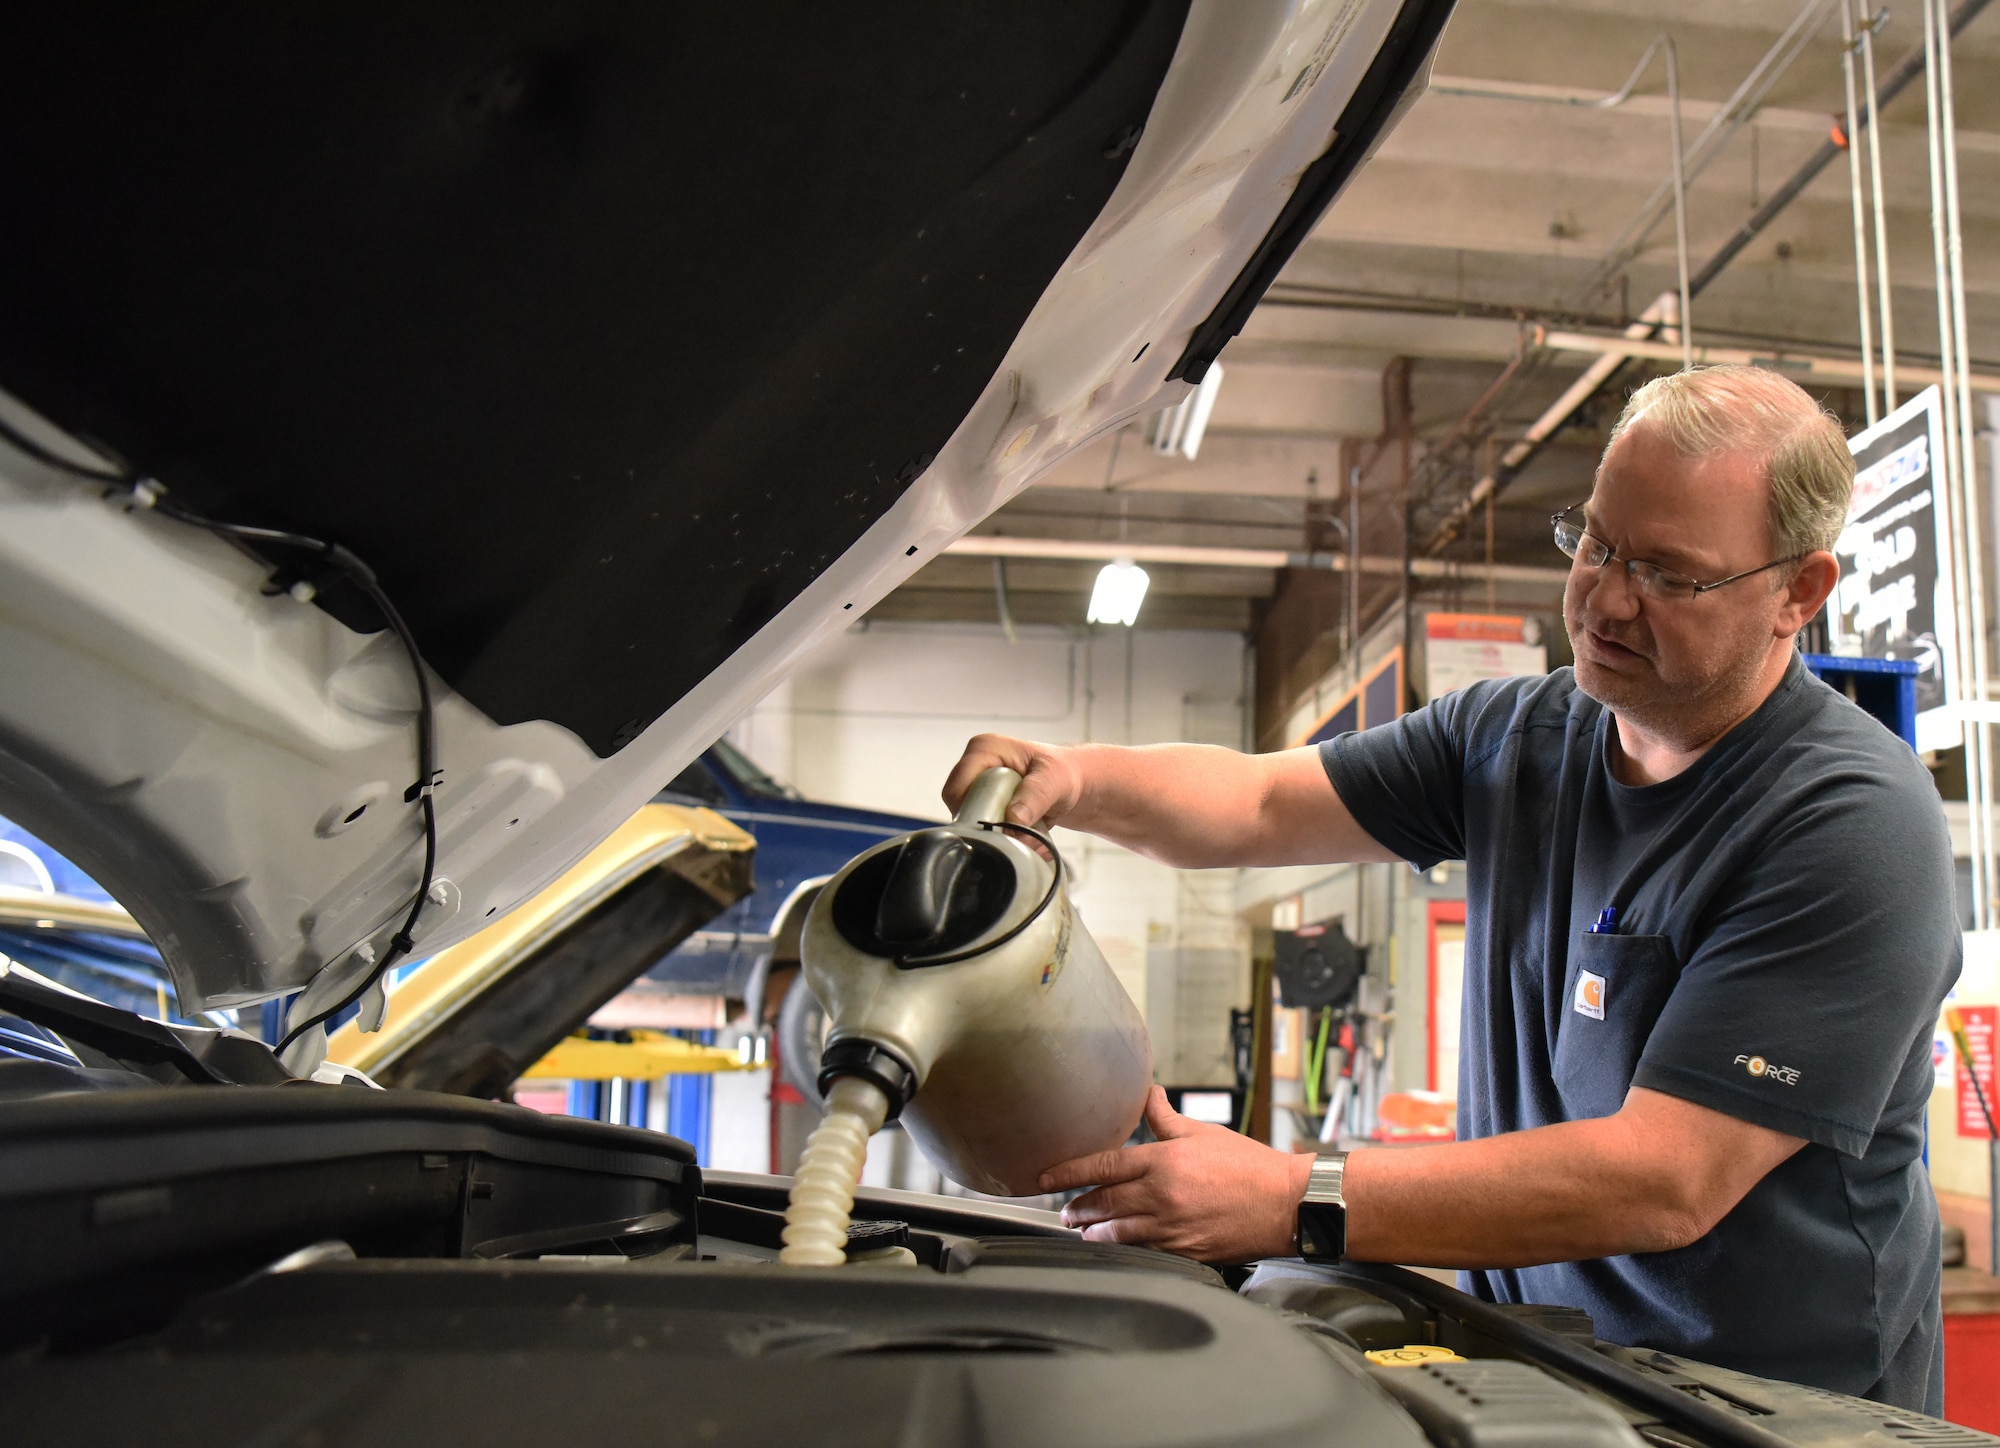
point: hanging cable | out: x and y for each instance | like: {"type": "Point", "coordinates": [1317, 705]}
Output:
{"type": "Point", "coordinates": [1858, 204]}
{"type": "Point", "coordinates": [1968, 472]}
{"type": "Point", "coordinates": [22, 443]}
{"type": "Point", "coordinates": [1873, 101]}
{"type": "Point", "coordinates": [148, 493]}
{"type": "Point", "coordinates": [1684, 310]}
{"type": "Point", "coordinates": [1959, 489]}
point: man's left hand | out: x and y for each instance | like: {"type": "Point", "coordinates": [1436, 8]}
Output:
{"type": "Point", "coordinates": [1201, 1190]}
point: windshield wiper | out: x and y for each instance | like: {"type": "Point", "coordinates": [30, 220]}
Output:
{"type": "Point", "coordinates": [103, 1035]}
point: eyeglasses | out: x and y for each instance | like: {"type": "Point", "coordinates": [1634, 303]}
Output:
{"type": "Point", "coordinates": [1649, 578]}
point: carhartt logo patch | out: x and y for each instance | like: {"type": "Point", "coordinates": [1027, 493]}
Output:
{"type": "Point", "coordinates": [1590, 995]}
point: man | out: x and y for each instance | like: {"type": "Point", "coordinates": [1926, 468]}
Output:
{"type": "Point", "coordinates": [1710, 922]}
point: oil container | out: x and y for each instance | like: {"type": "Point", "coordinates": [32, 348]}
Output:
{"type": "Point", "coordinates": [956, 975]}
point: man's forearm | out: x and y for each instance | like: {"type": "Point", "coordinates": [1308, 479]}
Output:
{"type": "Point", "coordinates": [1563, 1193]}
{"type": "Point", "coordinates": [1657, 1175]}
{"type": "Point", "coordinates": [1191, 806]}
{"type": "Point", "coordinates": [1195, 806]}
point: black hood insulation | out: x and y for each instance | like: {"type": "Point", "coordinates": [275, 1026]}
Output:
{"type": "Point", "coordinates": [600, 330]}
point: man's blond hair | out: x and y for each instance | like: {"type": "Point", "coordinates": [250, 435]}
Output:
{"type": "Point", "coordinates": [1713, 410]}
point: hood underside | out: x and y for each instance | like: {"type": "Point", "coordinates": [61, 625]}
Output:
{"type": "Point", "coordinates": [635, 349]}
{"type": "Point", "coordinates": [599, 331]}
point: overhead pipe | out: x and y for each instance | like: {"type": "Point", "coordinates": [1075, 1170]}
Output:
{"type": "Point", "coordinates": [1907, 70]}
{"type": "Point", "coordinates": [1858, 204]}
{"type": "Point", "coordinates": [1735, 113]}
{"type": "Point", "coordinates": [1600, 372]}
{"type": "Point", "coordinates": [1661, 44]}
{"type": "Point", "coordinates": [1885, 302]}
{"type": "Point", "coordinates": [987, 545]}
{"type": "Point", "coordinates": [1723, 125]}
{"type": "Point", "coordinates": [1945, 470]}
{"type": "Point", "coordinates": [1453, 86]}
{"type": "Point", "coordinates": [1765, 347]}
{"type": "Point", "coordinates": [1684, 315]}
{"type": "Point", "coordinates": [1968, 466]}
{"type": "Point", "coordinates": [1959, 473]}
{"type": "Point", "coordinates": [1664, 308]}
{"type": "Point", "coordinates": [1826, 369]}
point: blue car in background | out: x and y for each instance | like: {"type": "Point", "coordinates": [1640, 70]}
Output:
{"type": "Point", "coordinates": [748, 953]}
{"type": "Point", "coordinates": [59, 924]}
{"type": "Point", "coordinates": [747, 950]}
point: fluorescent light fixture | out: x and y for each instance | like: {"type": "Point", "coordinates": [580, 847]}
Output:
{"type": "Point", "coordinates": [1121, 588]}
{"type": "Point", "coordinates": [1180, 428]}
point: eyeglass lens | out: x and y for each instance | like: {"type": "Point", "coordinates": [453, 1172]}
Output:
{"type": "Point", "coordinates": [1593, 552]}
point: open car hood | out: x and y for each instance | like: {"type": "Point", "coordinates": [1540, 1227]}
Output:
{"type": "Point", "coordinates": [633, 348]}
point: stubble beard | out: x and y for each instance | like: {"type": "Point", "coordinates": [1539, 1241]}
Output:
{"type": "Point", "coordinates": [1684, 707]}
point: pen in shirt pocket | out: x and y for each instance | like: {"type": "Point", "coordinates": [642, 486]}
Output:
{"type": "Point", "coordinates": [1607, 922]}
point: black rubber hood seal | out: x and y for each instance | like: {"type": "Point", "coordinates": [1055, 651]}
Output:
{"type": "Point", "coordinates": [1367, 118]}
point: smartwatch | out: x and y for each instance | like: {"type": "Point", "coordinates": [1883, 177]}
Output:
{"type": "Point", "coordinates": [1323, 1212]}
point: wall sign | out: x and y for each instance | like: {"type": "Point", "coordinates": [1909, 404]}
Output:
{"type": "Point", "coordinates": [1463, 648]}
{"type": "Point", "coordinates": [1979, 1021]}
{"type": "Point", "coordinates": [1894, 596]}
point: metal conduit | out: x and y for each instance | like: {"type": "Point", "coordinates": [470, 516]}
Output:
{"type": "Point", "coordinates": [1815, 366]}
{"type": "Point", "coordinates": [1907, 70]}
{"type": "Point", "coordinates": [1975, 533]}
{"type": "Point", "coordinates": [985, 545]}
{"type": "Point", "coordinates": [1859, 207]}
{"type": "Point", "coordinates": [1736, 112]}
{"type": "Point", "coordinates": [1545, 426]}
{"type": "Point", "coordinates": [1677, 178]}
{"type": "Point", "coordinates": [1888, 311]}
{"type": "Point", "coordinates": [1958, 471]}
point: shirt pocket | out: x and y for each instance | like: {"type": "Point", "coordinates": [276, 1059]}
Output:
{"type": "Point", "coordinates": [1615, 990]}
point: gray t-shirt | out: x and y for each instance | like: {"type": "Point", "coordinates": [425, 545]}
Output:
{"type": "Point", "coordinates": [1785, 934]}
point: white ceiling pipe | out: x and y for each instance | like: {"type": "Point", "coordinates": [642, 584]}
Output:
{"type": "Point", "coordinates": [1637, 341]}
{"type": "Point", "coordinates": [1664, 308]}
{"type": "Point", "coordinates": [1829, 369]}
{"type": "Point", "coordinates": [988, 546]}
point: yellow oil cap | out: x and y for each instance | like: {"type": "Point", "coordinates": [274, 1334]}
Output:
{"type": "Point", "coordinates": [1415, 1355]}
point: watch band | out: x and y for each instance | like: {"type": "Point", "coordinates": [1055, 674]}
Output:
{"type": "Point", "coordinates": [1322, 1232]}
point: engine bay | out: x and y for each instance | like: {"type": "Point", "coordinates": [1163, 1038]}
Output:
{"type": "Point", "coordinates": [320, 1264]}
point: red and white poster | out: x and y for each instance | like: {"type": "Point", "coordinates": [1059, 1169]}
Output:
{"type": "Point", "coordinates": [1978, 1025]}
{"type": "Point", "coordinates": [1463, 648]}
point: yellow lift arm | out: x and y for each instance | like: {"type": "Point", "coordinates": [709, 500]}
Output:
{"type": "Point", "coordinates": [647, 1056]}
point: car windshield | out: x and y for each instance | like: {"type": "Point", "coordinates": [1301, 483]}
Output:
{"type": "Point", "coordinates": [748, 776]}
{"type": "Point", "coordinates": [60, 924]}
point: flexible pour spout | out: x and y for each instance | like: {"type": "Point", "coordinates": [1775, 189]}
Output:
{"type": "Point", "coordinates": [817, 1216]}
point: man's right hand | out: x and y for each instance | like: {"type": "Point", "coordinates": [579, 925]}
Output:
{"type": "Point", "coordinates": [1051, 781]}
